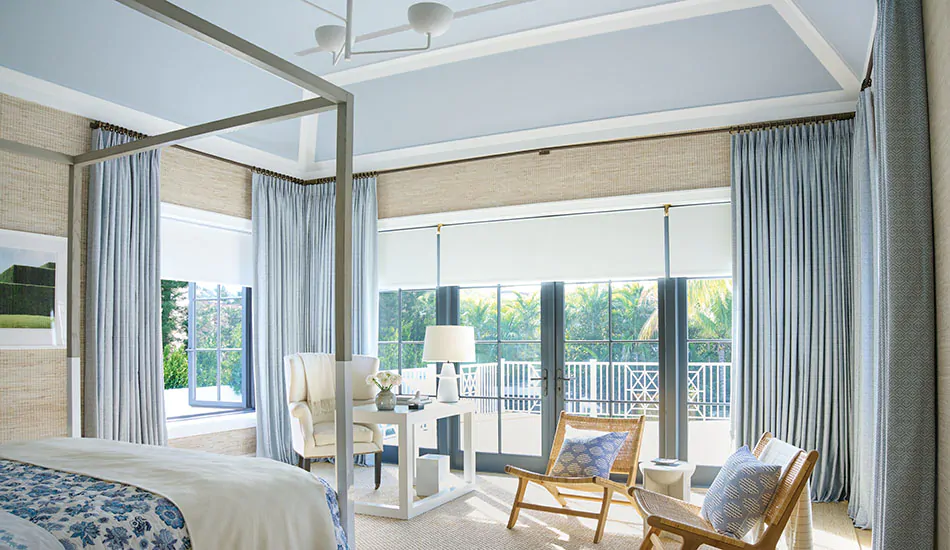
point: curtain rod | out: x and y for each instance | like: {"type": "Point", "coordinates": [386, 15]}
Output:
{"type": "Point", "coordinates": [867, 75]}
{"type": "Point", "coordinates": [717, 130]}
{"type": "Point", "coordinates": [791, 122]}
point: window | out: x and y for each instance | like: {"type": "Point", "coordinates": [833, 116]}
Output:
{"type": "Point", "coordinates": [206, 347]}
{"type": "Point", "coordinates": [611, 353]}
{"type": "Point", "coordinates": [403, 318]}
{"type": "Point", "coordinates": [709, 369]}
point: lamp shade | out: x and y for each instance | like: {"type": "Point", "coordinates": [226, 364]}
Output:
{"type": "Point", "coordinates": [449, 343]}
{"type": "Point", "coordinates": [430, 18]}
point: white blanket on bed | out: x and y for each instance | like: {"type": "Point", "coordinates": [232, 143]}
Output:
{"type": "Point", "coordinates": [227, 502]}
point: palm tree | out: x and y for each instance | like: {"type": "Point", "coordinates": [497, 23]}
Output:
{"type": "Point", "coordinates": [709, 311]}
{"type": "Point", "coordinates": [521, 317]}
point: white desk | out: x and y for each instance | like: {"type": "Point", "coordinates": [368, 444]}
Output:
{"type": "Point", "coordinates": [406, 422]}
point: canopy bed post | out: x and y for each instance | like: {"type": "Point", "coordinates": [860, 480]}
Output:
{"type": "Point", "coordinates": [73, 288]}
{"type": "Point", "coordinates": [343, 312]}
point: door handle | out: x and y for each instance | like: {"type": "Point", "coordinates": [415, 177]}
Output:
{"type": "Point", "coordinates": [544, 381]}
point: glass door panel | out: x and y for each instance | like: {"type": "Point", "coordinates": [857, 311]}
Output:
{"type": "Point", "coordinates": [709, 370]}
{"type": "Point", "coordinates": [611, 353]}
{"type": "Point", "coordinates": [505, 380]}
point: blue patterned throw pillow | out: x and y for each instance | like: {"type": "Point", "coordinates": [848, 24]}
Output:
{"type": "Point", "coordinates": [740, 494]}
{"type": "Point", "coordinates": [588, 456]}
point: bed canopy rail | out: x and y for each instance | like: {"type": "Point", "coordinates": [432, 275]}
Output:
{"type": "Point", "coordinates": [329, 97]}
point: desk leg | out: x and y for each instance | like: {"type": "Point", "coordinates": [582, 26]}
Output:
{"type": "Point", "coordinates": [406, 443]}
{"type": "Point", "coordinates": [468, 435]}
{"type": "Point", "coordinates": [413, 453]}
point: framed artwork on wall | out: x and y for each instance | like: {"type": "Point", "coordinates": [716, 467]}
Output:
{"type": "Point", "coordinates": [32, 290]}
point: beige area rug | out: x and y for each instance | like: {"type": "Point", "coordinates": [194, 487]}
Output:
{"type": "Point", "coordinates": [478, 520]}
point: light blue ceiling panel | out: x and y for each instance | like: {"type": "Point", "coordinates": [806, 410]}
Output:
{"type": "Point", "coordinates": [728, 57]}
{"type": "Point", "coordinates": [847, 25]}
{"type": "Point", "coordinates": [106, 50]}
{"type": "Point", "coordinates": [286, 26]}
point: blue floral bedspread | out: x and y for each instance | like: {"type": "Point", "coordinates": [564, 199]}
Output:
{"type": "Point", "coordinates": [85, 512]}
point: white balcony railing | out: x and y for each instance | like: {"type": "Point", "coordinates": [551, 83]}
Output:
{"type": "Point", "coordinates": [590, 387]}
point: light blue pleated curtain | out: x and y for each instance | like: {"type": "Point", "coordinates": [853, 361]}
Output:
{"type": "Point", "coordinates": [866, 311]}
{"type": "Point", "coordinates": [293, 228]}
{"type": "Point", "coordinates": [905, 448]}
{"type": "Point", "coordinates": [123, 394]}
{"type": "Point", "coordinates": [792, 293]}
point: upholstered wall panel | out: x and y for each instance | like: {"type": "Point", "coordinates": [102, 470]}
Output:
{"type": "Point", "coordinates": [937, 36]}
{"type": "Point", "coordinates": [231, 442]}
{"type": "Point", "coordinates": [672, 163]}
{"type": "Point", "coordinates": [198, 181]}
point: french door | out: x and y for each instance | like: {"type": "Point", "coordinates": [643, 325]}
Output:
{"type": "Point", "coordinates": [659, 348]}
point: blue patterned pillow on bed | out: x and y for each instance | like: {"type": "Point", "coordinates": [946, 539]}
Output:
{"type": "Point", "coordinates": [588, 456]}
{"type": "Point", "coordinates": [740, 494]}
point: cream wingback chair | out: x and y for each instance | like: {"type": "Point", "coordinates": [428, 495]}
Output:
{"type": "Point", "coordinates": [310, 393]}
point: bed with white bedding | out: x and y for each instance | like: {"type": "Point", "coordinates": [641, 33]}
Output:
{"type": "Point", "coordinates": [92, 493]}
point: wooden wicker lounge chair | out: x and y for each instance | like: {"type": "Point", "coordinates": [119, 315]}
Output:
{"type": "Point", "coordinates": [626, 464]}
{"type": "Point", "coordinates": [670, 515]}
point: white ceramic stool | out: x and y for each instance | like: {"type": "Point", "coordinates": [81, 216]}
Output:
{"type": "Point", "coordinates": [432, 474]}
{"type": "Point", "coordinates": [672, 481]}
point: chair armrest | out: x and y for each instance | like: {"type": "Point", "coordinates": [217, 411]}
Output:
{"type": "Point", "coordinates": [301, 411]}
{"type": "Point", "coordinates": [542, 478]}
{"type": "Point", "coordinates": [610, 484]}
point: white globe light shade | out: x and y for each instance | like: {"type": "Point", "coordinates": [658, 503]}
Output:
{"type": "Point", "coordinates": [430, 18]}
{"type": "Point", "coordinates": [330, 38]}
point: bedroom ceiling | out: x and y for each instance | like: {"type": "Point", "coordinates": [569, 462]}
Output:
{"type": "Point", "coordinates": [533, 74]}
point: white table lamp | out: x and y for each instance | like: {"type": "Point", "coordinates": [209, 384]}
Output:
{"type": "Point", "coordinates": [449, 344]}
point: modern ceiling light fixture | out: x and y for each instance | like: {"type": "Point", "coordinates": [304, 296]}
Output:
{"type": "Point", "coordinates": [426, 18]}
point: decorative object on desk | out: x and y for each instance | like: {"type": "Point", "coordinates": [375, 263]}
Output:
{"type": "Point", "coordinates": [448, 344]}
{"type": "Point", "coordinates": [432, 474]}
{"type": "Point", "coordinates": [385, 380]}
{"type": "Point", "coordinates": [414, 402]}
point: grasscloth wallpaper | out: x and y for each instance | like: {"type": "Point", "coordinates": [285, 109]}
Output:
{"type": "Point", "coordinates": [33, 198]}
{"type": "Point", "coordinates": [937, 36]}
{"type": "Point", "coordinates": [675, 163]}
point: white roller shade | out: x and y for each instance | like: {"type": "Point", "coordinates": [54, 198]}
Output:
{"type": "Point", "coordinates": [407, 259]}
{"type": "Point", "coordinates": [206, 247]}
{"type": "Point", "coordinates": [589, 247]}
{"type": "Point", "coordinates": [701, 241]}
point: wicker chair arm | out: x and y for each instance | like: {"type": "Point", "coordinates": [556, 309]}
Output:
{"type": "Point", "coordinates": [542, 478]}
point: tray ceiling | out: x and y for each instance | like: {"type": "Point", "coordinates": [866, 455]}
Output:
{"type": "Point", "coordinates": [534, 74]}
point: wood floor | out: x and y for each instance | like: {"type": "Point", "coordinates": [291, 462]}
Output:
{"type": "Point", "coordinates": [478, 521]}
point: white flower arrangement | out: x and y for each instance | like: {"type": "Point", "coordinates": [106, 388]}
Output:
{"type": "Point", "coordinates": [384, 380]}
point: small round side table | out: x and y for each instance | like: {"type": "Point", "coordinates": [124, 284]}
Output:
{"type": "Point", "coordinates": [672, 481]}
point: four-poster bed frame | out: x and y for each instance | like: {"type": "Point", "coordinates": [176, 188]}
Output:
{"type": "Point", "coordinates": [329, 97]}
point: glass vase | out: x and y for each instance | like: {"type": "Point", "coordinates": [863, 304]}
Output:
{"type": "Point", "coordinates": [385, 400]}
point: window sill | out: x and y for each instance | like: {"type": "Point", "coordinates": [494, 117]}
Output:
{"type": "Point", "coordinates": [188, 427]}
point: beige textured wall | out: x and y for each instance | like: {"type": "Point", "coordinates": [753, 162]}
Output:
{"type": "Point", "coordinates": [697, 161]}
{"type": "Point", "coordinates": [33, 198]}
{"type": "Point", "coordinates": [937, 36]}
